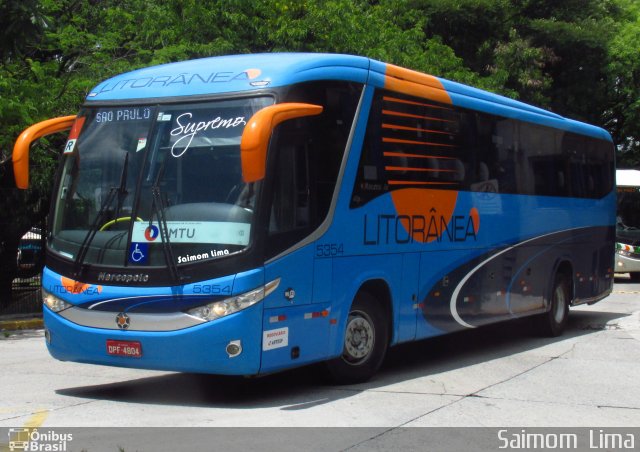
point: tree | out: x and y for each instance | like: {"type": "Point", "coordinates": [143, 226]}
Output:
{"type": "Point", "coordinates": [20, 27]}
{"type": "Point", "coordinates": [576, 57]}
{"type": "Point", "coordinates": [623, 115]}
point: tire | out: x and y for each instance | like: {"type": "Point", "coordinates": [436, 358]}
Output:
{"type": "Point", "coordinates": [366, 340]}
{"type": "Point", "coordinates": [553, 322]}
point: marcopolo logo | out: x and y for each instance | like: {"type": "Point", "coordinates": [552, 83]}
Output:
{"type": "Point", "coordinates": [28, 439]}
{"type": "Point", "coordinates": [123, 277]}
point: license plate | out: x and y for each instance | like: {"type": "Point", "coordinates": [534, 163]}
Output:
{"type": "Point", "coordinates": [130, 349]}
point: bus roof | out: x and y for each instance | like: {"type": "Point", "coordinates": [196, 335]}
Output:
{"type": "Point", "coordinates": [233, 73]}
{"type": "Point", "coordinates": [255, 72]}
{"type": "Point", "coordinates": [628, 178]}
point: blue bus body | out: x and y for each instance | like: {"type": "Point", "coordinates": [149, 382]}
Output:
{"type": "Point", "coordinates": [439, 253]}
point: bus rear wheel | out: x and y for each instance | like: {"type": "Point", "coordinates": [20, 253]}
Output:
{"type": "Point", "coordinates": [553, 322]}
{"type": "Point", "coordinates": [365, 342]}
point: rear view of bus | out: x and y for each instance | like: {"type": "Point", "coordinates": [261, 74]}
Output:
{"type": "Point", "coordinates": [628, 223]}
{"type": "Point", "coordinates": [247, 214]}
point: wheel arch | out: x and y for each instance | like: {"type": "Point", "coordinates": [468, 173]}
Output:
{"type": "Point", "coordinates": [379, 289]}
{"type": "Point", "coordinates": [563, 267]}
{"type": "Point", "coordinates": [369, 332]}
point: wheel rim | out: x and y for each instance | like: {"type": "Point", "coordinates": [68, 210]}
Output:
{"type": "Point", "coordinates": [559, 305]}
{"type": "Point", "coordinates": [359, 338]}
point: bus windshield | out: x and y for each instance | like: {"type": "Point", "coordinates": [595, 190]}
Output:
{"type": "Point", "coordinates": [141, 181]}
{"type": "Point", "coordinates": [628, 217]}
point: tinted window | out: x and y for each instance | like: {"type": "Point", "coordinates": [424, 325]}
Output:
{"type": "Point", "coordinates": [412, 142]}
{"type": "Point", "coordinates": [304, 160]}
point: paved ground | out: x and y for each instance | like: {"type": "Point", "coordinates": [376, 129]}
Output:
{"type": "Point", "coordinates": [497, 376]}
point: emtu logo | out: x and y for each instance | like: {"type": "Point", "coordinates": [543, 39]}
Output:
{"type": "Point", "coordinates": [151, 233]}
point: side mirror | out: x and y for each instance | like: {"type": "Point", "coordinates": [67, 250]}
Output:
{"type": "Point", "coordinates": [257, 133]}
{"type": "Point", "coordinates": [21, 148]}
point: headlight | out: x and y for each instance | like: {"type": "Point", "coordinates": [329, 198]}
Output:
{"type": "Point", "coordinates": [54, 303]}
{"type": "Point", "coordinates": [228, 306]}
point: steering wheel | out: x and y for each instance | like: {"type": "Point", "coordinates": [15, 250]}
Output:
{"type": "Point", "coordinates": [108, 224]}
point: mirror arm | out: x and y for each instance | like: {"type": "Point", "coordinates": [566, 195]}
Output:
{"type": "Point", "coordinates": [257, 133]}
{"type": "Point", "coordinates": [23, 144]}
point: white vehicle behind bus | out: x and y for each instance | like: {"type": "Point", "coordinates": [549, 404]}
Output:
{"type": "Point", "coordinates": [628, 223]}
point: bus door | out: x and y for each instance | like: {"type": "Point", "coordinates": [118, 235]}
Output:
{"type": "Point", "coordinates": [296, 318]}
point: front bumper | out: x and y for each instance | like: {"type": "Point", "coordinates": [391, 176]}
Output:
{"type": "Point", "coordinates": [200, 349]}
{"type": "Point", "coordinates": [625, 264]}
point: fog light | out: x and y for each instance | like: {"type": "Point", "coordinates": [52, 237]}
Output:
{"type": "Point", "coordinates": [234, 348]}
{"type": "Point", "coordinates": [47, 335]}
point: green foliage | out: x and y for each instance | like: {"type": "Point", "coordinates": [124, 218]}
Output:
{"type": "Point", "coordinates": [623, 114]}
{"type": "Point", "coordinates": [576, 57]}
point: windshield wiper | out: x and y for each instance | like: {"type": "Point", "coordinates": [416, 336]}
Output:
{"type": "Point", "coordinates": [99, 219]}
{"type": "Point", "coordinates": [157, 208]}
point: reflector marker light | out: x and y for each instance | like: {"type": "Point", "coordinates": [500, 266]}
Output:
{"type": "Point", "coordinates": [315, 315]}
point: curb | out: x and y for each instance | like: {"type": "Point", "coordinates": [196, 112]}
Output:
{"type": "Point", "coordinates": [21, 324]}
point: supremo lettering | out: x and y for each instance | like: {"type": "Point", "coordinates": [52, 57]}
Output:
{"type": "Point", "coordinates": [187, 130]}
{"type": "Point", "coordinates": [403, 229]}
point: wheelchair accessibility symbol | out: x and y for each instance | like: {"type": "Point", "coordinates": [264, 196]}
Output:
{"type": "Point", "coordinates": [139, 253]}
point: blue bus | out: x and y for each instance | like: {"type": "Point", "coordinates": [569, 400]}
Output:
{"type": "Point", "coordinates": [246, 214]}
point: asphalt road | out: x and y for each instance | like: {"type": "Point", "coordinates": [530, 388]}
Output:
{"type": "Point", "coordinates": [499, 376]}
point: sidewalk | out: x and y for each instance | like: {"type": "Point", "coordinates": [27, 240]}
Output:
{"type": "Point", "coordinates": [15, 323]}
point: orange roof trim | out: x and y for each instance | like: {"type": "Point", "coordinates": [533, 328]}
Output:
{"type": "Point", "coordinates": [415, 83]}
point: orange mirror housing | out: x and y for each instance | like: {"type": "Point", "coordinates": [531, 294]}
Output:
{"type": "Point", "coordinates": [257, 133]}
{"type": "Point", "coordinates": [21, 148]}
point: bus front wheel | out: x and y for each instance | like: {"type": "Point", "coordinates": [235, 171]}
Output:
{"type": "Point", "coordinates": [365, 342]}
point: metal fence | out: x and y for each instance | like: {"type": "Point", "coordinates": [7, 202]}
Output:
{"type": "Point", "coordinates": [26, 297]}
{"type": "Point", "coordinates": [26, 294]}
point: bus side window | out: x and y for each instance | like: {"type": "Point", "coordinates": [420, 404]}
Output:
{"type": "Point", "coordinates": [290, 212]}
{"type": "Point", "coordinates": [305, 161]}
{"type": "Point", "coordinates": [290, 206]}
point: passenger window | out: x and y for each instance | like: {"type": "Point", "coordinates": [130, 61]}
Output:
{"type": "Point", "coordinates": [305, 157]}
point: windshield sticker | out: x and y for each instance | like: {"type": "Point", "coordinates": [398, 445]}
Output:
{"type": "Point", "coordinates": [151, 233]}
{"type": "Point", "coordinates": [139, 253]}
{"type": "Point", "coordinates": [142, 143]}
{"type": "Point", "coordinates": [202, 256]}
{"type": "Point", "coordinates": [223, 232]}
{"type": "Point", "coordinates": [186, 130]}
{"type": "Point", "coordinates": [126, 114]}
{"type": "Point", "coordinates": [164, 117]}
{"type": "Point", "coordinates": [70, 146]}
{"type": "Point", "coordinates": [73, 135]}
